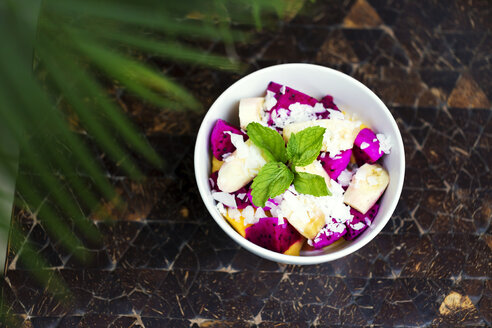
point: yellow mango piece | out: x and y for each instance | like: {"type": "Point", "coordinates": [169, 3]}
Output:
{"type": "Point", "coordinates": [314, 225]}
{"type": "Point", "coordinates": [295, 248]}
{"type": "Point", "coordinates": [238, 225]}
{"type": "Point", "coordinates": [216, 164]}
{"type": "Point", "coordinates": [352, 159]}
{"type": "Point", "coordinates": [307, 248]}
{"type": "Point", "coordinates": [337, 243]}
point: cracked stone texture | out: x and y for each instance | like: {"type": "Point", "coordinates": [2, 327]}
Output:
{"type": "Point", "coordinates": [163, 262]}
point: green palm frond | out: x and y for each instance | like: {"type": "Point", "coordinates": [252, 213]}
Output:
{"type": "Point", "coordinates": [80, 47]}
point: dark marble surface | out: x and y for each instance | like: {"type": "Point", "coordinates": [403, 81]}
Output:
{"type": "Point", "coordinates": [163, 262]}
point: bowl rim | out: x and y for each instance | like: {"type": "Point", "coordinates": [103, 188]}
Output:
{"type": "Point", "coordinates": [292, 259]}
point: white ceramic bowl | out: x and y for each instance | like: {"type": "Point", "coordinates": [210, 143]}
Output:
{"type": "Point", "coordinates": [351, 96]}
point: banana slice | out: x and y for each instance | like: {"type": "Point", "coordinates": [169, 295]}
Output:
{"type": "Point", "coordinates": [301, 211]}
{"type": "Point", "coordinates": [250, 110]}
{"type": "Point", "coordinates": [340, 134]}
{"type": "Point", "coordinates": [236, 220]}
{"type": "Point", "coordinates": [303, 214]}
{"type": "Point", "coordinates": [241, 167]}
{"type": "Point", "coordinates": [367, 185]}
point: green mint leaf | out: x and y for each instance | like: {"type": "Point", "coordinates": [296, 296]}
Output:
{"type": "Point", "coordinates": [304, 147]}
{"type": "Point", "coordinates": [268, 140]}
{"type": "Point", "coordinates": [272, 180]}
{"type": "Point", "coordinates": [310, 184]}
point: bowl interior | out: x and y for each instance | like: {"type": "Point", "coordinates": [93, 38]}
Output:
{"type": "Point", "coordinates": [350, 96]}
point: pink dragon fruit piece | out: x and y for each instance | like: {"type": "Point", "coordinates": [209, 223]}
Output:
{"type": "Point", "coordinates": [335, 166]}
{"type": "Point", "coordinates": [289, 97]}
{"type": "Point", "coordinates": [327, 102]}
{"type": "Point", "coordinates": [240, 195]}
{"type": "Point", "coordinates": [359, 223]}
{"type": "Point", "coordinates": [366, 147]}
{"type": "Point", "coordinates": [266, 207]}
{"type": "Point", "coordinates": [221, 141]}
{"type": "Point", "coordinates": [329, 234]}
{"type": "Point", "coordinates": [268, 233]}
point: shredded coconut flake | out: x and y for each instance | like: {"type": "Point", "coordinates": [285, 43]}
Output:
{"type": "Point", "coordinates": [228, 159]}
{"type": "Point", "coordinates": [282, 90]}
{"type": "Point", "coordinates": [276, 212]}
{"type": "Point", "coordinates": [225, 156]}
{"type": "Point", "coordinates": [292, 189]}
{"type": "Point", "coordinates": [298, 112]}
{"type": "Point", "coordinates": [259, 213]}
{"type": "Point", "coordinates": [249, 215]}
{"type": "Point", "coordinates": [241, 196]}
{"type": "Point", "coordinates": [225, 198]}
{"type": "Point", "coordinates": [270, 101]}
{"type": "Point", "coordinates": [221, 209]}
{"type": "Point", "coordinates": [364, 145]}
{"type": "Point", "coordinates": [270, 204]}
{"type": "Point", "coordinates": [336, 115]}
{"type": "Point", "coordinates": [357, 226]}
{"type": "Point", "coordinates": [234, 214]}
{"type": "Point", "coordinates": [278, 199]}
{"type": "Point", "coordinates": [329, 229]}
{"type": "Point", "coordinates": [338, 137]}
{"type": "Point", "coordinates": [384, 143]}
{"type": "Point", "coordinates": [345, 177]}
{"type": "Point", "coordinates": [334, 155]}
{"type": "Point", "coordinates": [319, 108]}
{"type": "Point", "coordinates": [211, 182]}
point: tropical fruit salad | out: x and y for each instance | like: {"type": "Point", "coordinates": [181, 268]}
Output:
{"type": "Point", "coordinates": [298, 173]}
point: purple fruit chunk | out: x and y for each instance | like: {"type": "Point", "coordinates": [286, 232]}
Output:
{"type": "Point", "coordinates": [289, 97]}
{"type": "Point", "coordinates": [329, 234]}
{"type": "Point", "coordinates": [366, 147]}
{"type": "Point", "coordinates": [268, 233]}
{"type": "Point", "coordinates": [335, 166]}
{"type": "Point", "coordinates": [240, 195]}
{"type": "Point", "coordinates": [359, 223]}
{"type": "Point", "coordinates": [220, 140]}
{"type": "Point", "coordinates": [327, 102]}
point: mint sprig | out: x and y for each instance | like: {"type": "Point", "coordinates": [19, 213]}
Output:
{"type": "Point", "coordinates": [304, 147]}
{"type": "Point", "coordinates": [270, 141]}
{"type": "Point", "coordinates": [277, 175]}
{"type": "Point", "coordinates": [312, 184]}
{"type": "Point", "coordinates": [272, 180]}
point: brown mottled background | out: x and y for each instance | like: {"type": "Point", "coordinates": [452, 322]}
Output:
{"type": "Point", "coordinates": [165, 263]}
